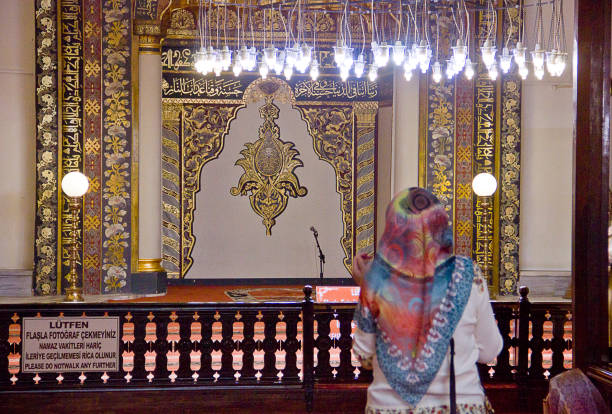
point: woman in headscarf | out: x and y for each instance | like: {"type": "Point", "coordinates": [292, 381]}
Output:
{"type": "Point", "coordinates": [415, 296]}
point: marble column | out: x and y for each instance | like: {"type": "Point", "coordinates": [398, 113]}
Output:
{"type": "Point", "coordinates": [149, 154]}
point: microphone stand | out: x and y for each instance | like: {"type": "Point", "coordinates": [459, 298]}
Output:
{"type": "Point", "coordinates": [321, 255]}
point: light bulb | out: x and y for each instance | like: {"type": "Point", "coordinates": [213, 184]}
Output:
{"type": "Point", "coordinates": [424, 56]}
{"type": "Point", "coordinates": [381, 58]}
{"type": "Point", "coordinates": [523, 72]}
{"type": "Point", "coordinates": [75, 184]}
{"type": "Point", "coordinates": [399, 53]}
{"type": "Point", "coordinates": [493, 73]}
{"type": "Point", "coordinates": [237, 68]}
{"type": "Point", "coordinates": [484, 184]}
{"type": "Point", "coordinates": [469, 69]}
{"type": "Point", "coordinates": [450, 69]}
{"type": "Point", "coordinates": [359, 66]}
{"type": "Point", "coordinates": [252, 58]}
{"type": "Point", "coordinates": [269, 56]}
{"type": "Point", "coordinates": [303, 58]}
{"type": "Point", "coordinates": [561, 63]}
{"type": "Point", "coordinates": [339, 54]}
{"type": "Point", "coordinates": [244, 55]}
{"type": "Point", "coordinates": [344, 74]}
{"type": "Point", "coordinates": [292, 56]}
{"type": "Point", "coordinates": [538, 72]}
{"type": "Point", "coordinates": [436, 72]}
{"type": "Point", "coordinates": [537, 56]}
{"type": "Point", "coordinates": [459, 54]}
{"type": "Point", "coordinates": [413, 57]}
{"type": "Point", "coordinates": [407, 74]}
{"type": "Point", "coordinates": [373, 73]}
{"type": "Point", "coordinates": [314, 69]}
{"type": "Point", "coordinates": [226, 57]}
{"type": "Point", "coordinates": [280, 62]}
{"type": "Point", "coordinates": [348, 59]}
{"type": "Point", "coordinates": [305, 54]}
{"type": "Point", "coordinates": [520, 53]}
{"type": "Point", "coordinates": [200, 61]}
{"type": "Point", "coordinates": [488, 53]}
{"type": "Point", "coordinates": [288, 72]}
{"type": "Point", "coordinates": [505, 60]}
{"type": "Point", "coordinates": [218, 65]}
{"type": "Point", "coordinates": [263, 70]}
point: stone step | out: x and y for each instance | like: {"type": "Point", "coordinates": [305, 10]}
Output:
{"type": "Point", "coordinates": [15, 282]}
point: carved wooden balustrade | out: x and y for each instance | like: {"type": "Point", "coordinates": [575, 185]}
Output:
{"type": "Point", "coordinates": [296, 345]}
{"type": "Point", "coordinates": [171, 345]}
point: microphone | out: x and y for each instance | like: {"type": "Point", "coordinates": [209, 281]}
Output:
{"type": "Point", "coordinates": [314, 231]}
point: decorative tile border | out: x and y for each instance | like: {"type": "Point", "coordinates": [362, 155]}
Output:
{"type": "Point", "coordinates": [45, 249]}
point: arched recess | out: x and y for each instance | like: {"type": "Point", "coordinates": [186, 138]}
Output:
{"type": "Point", "coordinates": [194, 130]}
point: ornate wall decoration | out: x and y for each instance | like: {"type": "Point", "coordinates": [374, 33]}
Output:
{"type": "Point", "coordinates": [269, 163]}
{"type": "Point", "coordinates": [335, 128]}
{"type": "Point", "coordinates": [365, 180]}
{"type": "Point", "coordinates": [464, 130]}
{"type": "Point", "coordinates": [72, 122]}
{"type": "Point", "coordinates": [96, 107]}
{"type": "Point", "coordinates": [45, 250]}
{"type": "Point", "coordinates": [116, 148]}
{"type": "Point", "coordinates": [182, 23]}
{"type": "Point", "coordinates": [171, 189]}
{"type": "Point", "coordinates": [440, 142]}
{"type": "Point", "coordinates": [331, 128]}
{"type": "Point", "coordinates": [203, 129]}
{"type": "Point", "coordinates": [485, 112]}
{"type": "Point", "coordinates": [483, 119]}
{"type": "Point", "coordinates": [510, 165]}
{"type": "Point", "coordinates": [92, 154]}
{"type": "Point", "coordinates": [438, 132]}
{"type": "Point", "coordinates": [145, 9]}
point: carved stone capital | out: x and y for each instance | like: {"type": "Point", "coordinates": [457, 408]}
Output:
{"type": "Point", "coordinates": [365, 112]}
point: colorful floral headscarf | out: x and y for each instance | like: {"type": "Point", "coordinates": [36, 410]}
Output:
{"type": "Point", "coordinates": [414, 293]}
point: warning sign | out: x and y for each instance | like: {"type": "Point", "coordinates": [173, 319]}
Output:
{"type": "Point", "coordinates": [80, 344]}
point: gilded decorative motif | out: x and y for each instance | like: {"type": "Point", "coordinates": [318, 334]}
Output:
{"type": "Point", "coordinates": [117, 131]}
{"type": "Point", "coordinates": [440, 142]}
{"type": "Point", "coordinates": [365, 185]}
{"type": "Point", "coordinates": [510, 168]}
{"type": "Point", "coordinates": [204, 128]}
{"type": "Point", "coordinates": [171, 189]}
{"type": "Point", "coordinates": [92, 154]}
{"type": "Point", "coordinates": [72, 122]}
{"type": "Point", "coordinates": [269, 163]}
{"type": "Point", "coordinates": [182, 23]}
{"type": "Point", "coordinates": [484, 158]}
{"type": "Point", "coordinates": [145, 9]}
{"type": "Point", "coordinates": [464, 130]}
{"type": "Point", "coordinates": [439, 129]}
{"type": "Point", "coordinates": [45, 252]}
{"type": "Point", "coordinates": [331, 129]}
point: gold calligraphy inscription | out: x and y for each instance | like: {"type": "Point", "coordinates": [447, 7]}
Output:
{"type": "Point", "coordinates": [332, 89]}
{"type": "Point", "coordinates": [72, 128]}
{"type": "Point", "coordinates": [201, 87]}
{"type": "Point", "coordinates": [484, 160]}
{"type": "Point", "coordinates": [177, 59]}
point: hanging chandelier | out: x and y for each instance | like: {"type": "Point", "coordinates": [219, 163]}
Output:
{"type": "Point", "coordinates": [400, 33]}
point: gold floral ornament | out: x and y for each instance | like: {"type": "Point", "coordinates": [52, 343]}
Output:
{"type": "Point", "coordinates": [268, 165]}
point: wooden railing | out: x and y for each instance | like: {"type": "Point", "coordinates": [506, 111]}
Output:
{"type": "Point", "coordinates": [297, 345]}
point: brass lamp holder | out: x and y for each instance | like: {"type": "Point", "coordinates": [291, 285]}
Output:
{"type": "Point", "coordinates": [73, 292]}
